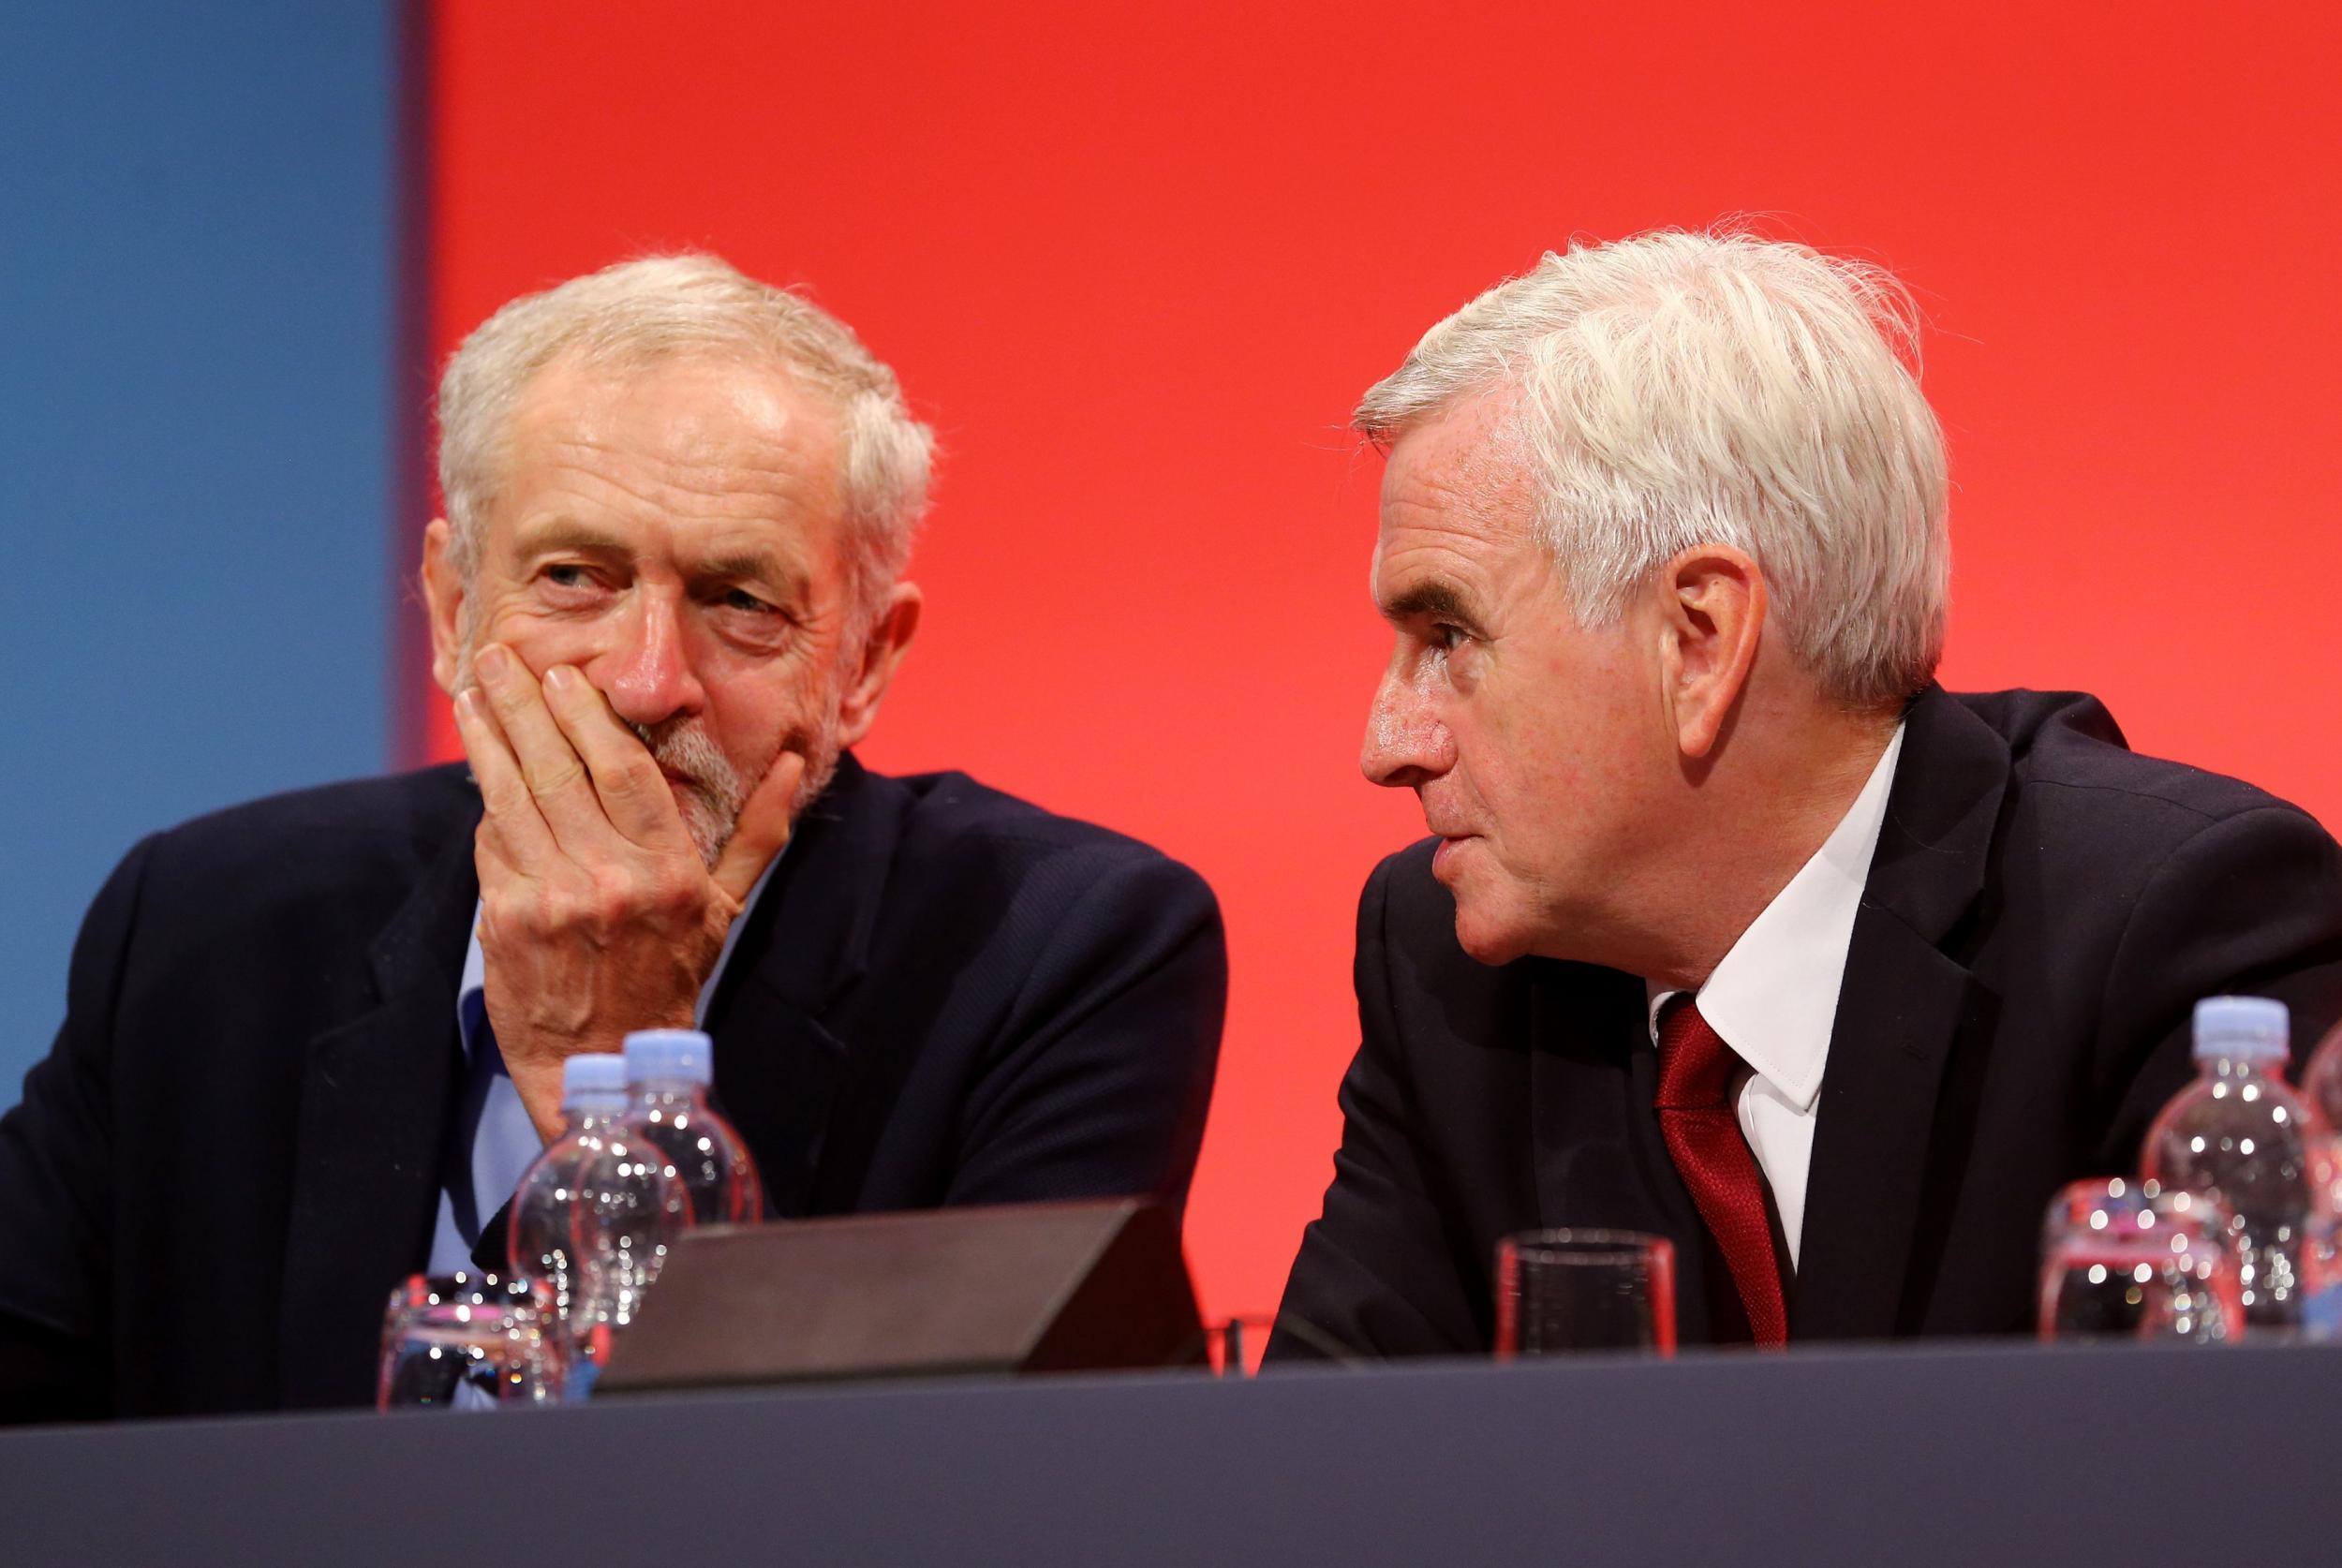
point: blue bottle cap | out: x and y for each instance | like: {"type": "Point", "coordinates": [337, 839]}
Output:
{"type": "Point", "coordinates": [595, 1072]}
{"type": "Point", "coordinates": [2252, 1029]}
{"type": "Point", "coordinates": [664, 1056]}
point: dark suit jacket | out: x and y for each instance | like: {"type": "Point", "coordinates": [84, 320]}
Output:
{"type": "Point", "coordinates": [2043, 910]}
{"type": "Point", "coordinates": [235, 1148]}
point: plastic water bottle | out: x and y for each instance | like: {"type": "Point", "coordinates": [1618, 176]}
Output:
{"type": "Point", "coordinates": [594, 1216]}
{"type": "Point", "coordinates": [2321, 1085]}
{"type": "Point", "coordinates": [2321, 1080]}
{"type": "Point", "coordinates": [2240, 1134]}
{"type": "Point", "coordinates": [668, 1072]}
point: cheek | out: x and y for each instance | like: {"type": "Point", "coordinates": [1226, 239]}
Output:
{"type": "Point", "coordinates": [542, 642]}
{"type": "Point", "coordinates": [1533, 779]}
{"type": "Point", "coordinates": [752, 713]}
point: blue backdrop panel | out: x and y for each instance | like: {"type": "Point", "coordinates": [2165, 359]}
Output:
{"type": "Point", "coordinates": [196, 324]}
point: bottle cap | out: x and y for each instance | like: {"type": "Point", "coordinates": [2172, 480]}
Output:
{"type": "Point", "coordinates": [2252, 1029]}
{"type": "Point", "coordinates": [595, 1072]}
{"type": "Point", "coordinates": [665, 1055]}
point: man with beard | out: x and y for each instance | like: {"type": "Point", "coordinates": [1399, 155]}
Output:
{"type": "Point", "coordinates": [311, 1043]}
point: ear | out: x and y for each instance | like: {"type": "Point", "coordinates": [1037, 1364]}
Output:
{"type": "Point", "coordinates": [880, 653]}
{"type": "Point", "coordinates": [1711, 619]}
{"type": "Point", "coordinates": [443, 595]}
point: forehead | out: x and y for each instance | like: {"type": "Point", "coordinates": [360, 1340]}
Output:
{"type": "Point", "coordinates": [1455, 492]}
{"type": "Point", "coordinates": [680, 443]}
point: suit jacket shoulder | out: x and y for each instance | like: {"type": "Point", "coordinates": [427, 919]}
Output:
{"type": "Point", "coordinates": [2069, 765]}
{"type": "Point", "coordinates": [948, 819]}
{"type": "Point", "coordinates": [951, 995]}
{"type": "Point", "coordinates": [309, 867]}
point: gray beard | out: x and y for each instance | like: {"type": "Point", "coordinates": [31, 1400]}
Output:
{"type": "Point", "coordinates": [711, 791]}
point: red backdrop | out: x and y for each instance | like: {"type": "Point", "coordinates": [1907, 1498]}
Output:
{"type": "Point", "coordinates": [1136, 267]}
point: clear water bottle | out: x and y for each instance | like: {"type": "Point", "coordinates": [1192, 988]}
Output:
{"type": "Point", "coordinates": [2127, 1260]}
{"type": "Point", "coordinates": [2321, 1082]}
{"type": "Point", "coordinates": [2321, 1085]}
{"type": "Point", "coordinates": [668, 1072]}
{"type": "Point", "coordinates": [594, 1216]}
{"type": "Point", "coordinates": [2240, 1134]}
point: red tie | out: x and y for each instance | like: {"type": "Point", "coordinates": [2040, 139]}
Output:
{"type": "Point", "coordinates": [1703, 1137]}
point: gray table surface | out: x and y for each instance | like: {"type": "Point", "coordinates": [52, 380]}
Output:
{"type": "Point", "coordinates": [1961, 1455]}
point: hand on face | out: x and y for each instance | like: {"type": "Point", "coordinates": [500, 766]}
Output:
{"type": "Point", "coordinates": [597, 913]}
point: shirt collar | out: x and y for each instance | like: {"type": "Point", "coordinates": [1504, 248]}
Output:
{"type": "Point", "coordinates": [1774, 996]}
{"type": "Point", "coordinates": [471, 1002]}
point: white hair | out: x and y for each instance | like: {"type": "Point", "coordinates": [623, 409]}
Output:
{"type": "Point", "coordinates": [664, 306]}
{"type": "Point", "coordinates": [1678, 389]}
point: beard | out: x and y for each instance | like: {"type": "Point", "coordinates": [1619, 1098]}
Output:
{"type": "Point", "coordinates": [709, 791]}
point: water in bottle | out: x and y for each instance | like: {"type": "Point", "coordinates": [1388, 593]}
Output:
{"type": "Point", "coordinates": [2321, 1085]}
{"type": "Point", "coordinates": [2241, 1135]}
{"type": "Point", "coordinates": [670, 1071]}
{"type": "Point", "coordinates": [2321, 1080]}
{"type": "Point", "coordinates": [2124, 1259]}
{"type": "Point", "coordinates": [595, 1216]}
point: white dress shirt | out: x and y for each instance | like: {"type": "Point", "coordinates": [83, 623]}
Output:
{"type": "Point", "coordinates": [1775, 995]}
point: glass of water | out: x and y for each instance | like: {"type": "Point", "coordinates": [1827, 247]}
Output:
{"type": "Point", "coordinates": [1574, 1289]}
{"type": "Point", "coordinates": [469, 1341]}
{"type": "Point", "coordinates": [2126, 1260]}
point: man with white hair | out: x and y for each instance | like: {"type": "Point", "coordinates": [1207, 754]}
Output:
{"type": "Point", "coordinates": [312, 1044]}
{"type": "Point", "coordinates": [1735, 929]}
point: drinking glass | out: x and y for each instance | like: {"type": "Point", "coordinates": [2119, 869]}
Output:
{"type": "Point", "coordinates": [469, 1341]}
{"type": "Point", "coordinates": [2127, 1260]}
{"type": "Point", "coordinates": [1584, 1289]}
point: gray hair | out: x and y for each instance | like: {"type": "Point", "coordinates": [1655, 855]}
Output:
{"type": "Point", "coordinates": [644, 311]}
{"type": "Point", "coordinates": [1678, 389]}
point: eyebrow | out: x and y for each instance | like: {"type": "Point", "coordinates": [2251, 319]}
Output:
{"type": "Point", "coordinates": [566, 533]}
{"type": "Point", "coordinates": [1439, 600]}
{"type": "Point", "coordinates": [746, 565]}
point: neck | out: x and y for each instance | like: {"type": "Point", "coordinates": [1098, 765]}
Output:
{"type": "Point", "coordinates": [1764, 820]}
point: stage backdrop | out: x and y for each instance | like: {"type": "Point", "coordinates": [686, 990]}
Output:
{"type": "Point", "coordinates": [197, 245]}
{"type": "Point", "coordinates": [1137, 263]}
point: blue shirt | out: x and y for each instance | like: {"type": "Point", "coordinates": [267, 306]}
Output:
{"type": "Point", "coordinates": [491, 1123]}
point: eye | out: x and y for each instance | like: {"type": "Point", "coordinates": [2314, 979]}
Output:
{"type": "Point", "coordinates": [745, 602]}
{"type": "Point", "coordinates": [570, 578]}
{"type": "Point", "coordinates": [1447, 638]}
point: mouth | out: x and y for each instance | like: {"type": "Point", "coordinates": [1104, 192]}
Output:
{"type": "Point", "coordinates": [1449, 843]}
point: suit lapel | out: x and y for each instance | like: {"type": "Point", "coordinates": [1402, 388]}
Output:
{"type": "Point", "coordinates": [780, 1068]}
{"type": "Point", "coordinates": [1872, 1139]}
{"type": "Point", "coordinates": [374, 1101]}
{"type": "Point", "coordinates": [1901, 1009]}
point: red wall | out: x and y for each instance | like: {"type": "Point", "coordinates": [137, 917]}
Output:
{"type": "Point", "coordinates": [1136, 267]}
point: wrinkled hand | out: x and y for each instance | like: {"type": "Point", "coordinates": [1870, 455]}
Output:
{"type": "Point", "coordinates": [597, 915]}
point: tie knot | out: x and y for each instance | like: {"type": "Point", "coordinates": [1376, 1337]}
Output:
{"type": "Point", "coordinates": [1694, 1064]}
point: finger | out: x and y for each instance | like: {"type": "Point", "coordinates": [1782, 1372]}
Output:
{"type": "Point", "coordinates": [762, 829]}
{"type": "Point", "coordinates": [632, 793]}
{"type": "Point", "coordinates": [554, 774]}
{"type": "Point", "coordinates": [492, 856]}
{"type": "Point", "coordinates": [513, 810]}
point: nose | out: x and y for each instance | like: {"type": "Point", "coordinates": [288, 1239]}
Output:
{"type": "Point", "coordinates": [646, 671]}
{"type": "Point", "coordinates": [1406, 743]}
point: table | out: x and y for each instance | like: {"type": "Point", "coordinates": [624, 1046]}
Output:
{"type": "Point", "coordinates": [2000, 1454]}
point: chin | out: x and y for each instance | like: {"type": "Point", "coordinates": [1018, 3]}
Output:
{"type": "Point", "coordinates": [1484, 940]}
